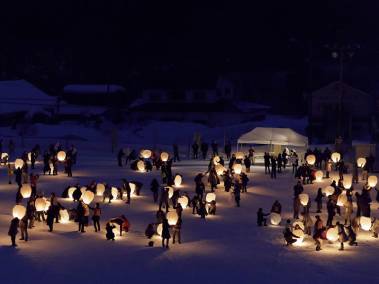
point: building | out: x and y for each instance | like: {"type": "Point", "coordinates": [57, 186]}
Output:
{"type": "Point", "coordinates": [357, 108]}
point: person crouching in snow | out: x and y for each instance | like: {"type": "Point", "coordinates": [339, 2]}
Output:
{"type": "Point", "coordinates": [289, 237]}
{"type": "Point", "coordinates": [212, 208]}
{"type": "Point", "coordinates": [109, 228]}
{"type": "Point", "coordinates": [260, 217]}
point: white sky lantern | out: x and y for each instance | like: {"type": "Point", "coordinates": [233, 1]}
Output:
{"type": "Point", "coordinates": [372, 181]}
{"type": "Point", "coordinates": [132, 188]}
{"type": "Point", "coordinates": [178, 180]}
{"type": "Point", "coordinates": [100, 188]}
{"type": "Point", "coordinates": [4, 155]}
{"type": "Point", "coordinates": [211, 196]}
{"type": "Point", "coordinates": [114, 192]}
{"type": "Point", "coordinates": [40, 204]}
{"type": "Point", "coordinates": [170, 191]}
{"type": "Point", "coordinates": [19, 163]}
{"type": "Point", "coordinates": [216, 160]}
{"type": "Point", "coordinates": [300, 234]}
{"type": "Point", "coordinates": [29, 156]}
{"type": "Point", "coordinates": [19, 211]}
{"type": "Point", "coordinates": [26, 190]}
{"type": "Point", "coordinates": [146, 154]}
{"type": "Point", "coordinates": [160, 229]}
{"type": "Point", "coordinates": [332, 234]}
{"type": "Point", "coordinates": [342, 199]}
{"type": "Point", "coordinates": [319, 175]}
{"type": "Point", "coordinates": [83, 189]}
{"type": "Point", "coordinates": [71, 192]}
{"type": "Point", "coordinates": [275, 218]}
{"type": "Point", "coordinates": [87, 197]}
{"type": "Point", "coordinates": [365, 223]}
{"type": "Point", "coordinates": [298, 223]}
{"type": "Point", "coordinates": [237, 168]}
{"type": "Point", "coordinates": [347, 181]}
{"type": "Point", "coordinates": [172, 218]}
{"type": "Point", "coordinates": [336, 157]}
{"type": "Point", "coordinates": [239, 155]}
{"type": "Point", "coordinates": [220, 169]}
{"type": "Point", "coordinates": [183, 201]}
{"type": "Point", "coordinates": [61, 156]}
{"type": "Point", "coordinates": [329, 190]}
{"type": "Point", "coordinates": [311, 159]}
{"type": "Point", "coordinates": [361, 162]}
{"type": "Point", "coordinates": [65, 217]}
{"type": "Point", "coordinates": [304, 199]}
{"type": "Point", "coordinates": [141, 166]}
{"type": "Point", "coordinates": [164, 156]}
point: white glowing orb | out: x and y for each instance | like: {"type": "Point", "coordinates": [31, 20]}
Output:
{"type": "Point", "coordinates": [336, 157]}
{"type": "Point", "coordinates": [365, 223]}
{"type": "Point", "coordinates": [332, 234]}
{"type": "Point", "coordinates": [237, 168]}
{"type": "Point", "coordinates": [65, 217]}
{"type": "Point", "coordinates": [178, 180]}
{"type": "Point", "coordinates": [304, 199]}
{"type": "Point", "coordinates": [164, 156]}
{"type": "Point", "coordinates": [19, 211]}
{"type": "Point", "coordinates": [18, 163]}
{"type": "Point", "coordinates": [88, 197]}
{"type": "Point", "coordinates": [211, 196]}
{"type": "Point", "coordinates": [146, 154]}
{"type": "Point", "coordinates": [40, 204]}
{"type": "Point", "coordinates": [183, 201]}
{"type": "Point", "coordinates": [275, 219]}
{"type": "Point", "coordinates": [26, 190]}
{"type": "Point", "coordinates": [361, 162]}
{"type": "Point", "coordinates": [141, 166]}
{"type": "Point", "coordinates": [329, 190]}
{"type": "Point", "coordinates": [372, 181]}
{"type": "Point", "coordinates": [100, 188]}
{"type": "Point", "coordinates": [311, 159]}
{"type": "Point", "coordinates": [61, 156]}
{"type": "Point", "coordinates": [319, 175]}
{"type": "Point", "coordinates": [172, 218]}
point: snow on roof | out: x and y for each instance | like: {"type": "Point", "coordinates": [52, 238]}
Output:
{"type": "Point", "coordinates": [21, 96]}
{"type": "Point", "coordinates": [92, 89]}
{"type": "Point", "coordinates": [69, 109]}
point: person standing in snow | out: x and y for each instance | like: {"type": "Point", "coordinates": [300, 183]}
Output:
{"type": "Point", "coordinates": [165, 233]}
{"type": "Point", "coordinates": [261, 220]}
{"type": "Point", "coordinates": [13, 230]}
{"type": "Point", "coordinates": [228, 150]}
{"type": "Point", "coordinates": [318, 200]}
{"type": "Point", "coordinates": [176, 153]}
{"type": "Point", "coordinates": [273, 168]}
{"type": "Point", "coordinates": [24, 228]}
{"type": "Point", "coordinates": [266, 158]}
{"type": "Point", "coordinates": [318, 231]}
{"type": "Point", "coordinates": [120, 156]}
{"type": "Point", "coordinates": [177, 231]}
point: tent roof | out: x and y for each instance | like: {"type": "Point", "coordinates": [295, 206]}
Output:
{"type": "Point", "coordinates": [276, 136]}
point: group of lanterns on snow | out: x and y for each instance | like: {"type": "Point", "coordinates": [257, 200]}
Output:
{"type": "Point", "coordinates": [19, 163]}
{"type": "Point", "coordinates": [332, 233]}
{"type": "Point", "coordinates": [146, 154]}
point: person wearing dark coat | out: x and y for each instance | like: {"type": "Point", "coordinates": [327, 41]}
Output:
{"type": "Point", "coordinates": [247, 163]}
{"type": "Point", "coordinates": [50, 218]}
{"type": "Point", "coordinates": [200, 189]}
{"type": "Point", "coordinates": [24, 228]}
{"type": "Point", "coordinates": [204, 150]}
{"type": "Point", "coordinates": [273, 168]}
{"type": "Point", "coordinates": [212, 208]}
{"type": "Point", "coordinates": [77, 194]}
{"type": "Point", "coordinates": [342, 237]}
{"type": "Point", "coordinates": [149, 232]}
{"type": "Point", "coordinates": [266, 158]}
{"type": "Point", "coordinates": [289, 237]}
{"type": "Point", "coordinates": [69, 167]}
{"type": "Point", "coordinates": [195, 204]}
{"type": "Point", "coordinates": [330, 206]}
{"type": "Point", "coordinates": [109, 231]}
{"type": "Point", "coordinates": [177, 230]}
{"type": "Point", "coordinates": [164, 198]}
{"type": "Point", "coordinates": [127, 189]}
{"type": "Point", "coordinates": [261, 220]}
{"type": "Point", "coordinates": [318, 200]}
{"type": "Point", "coordinates": [96, 217]}
{"type": "Point", "coordinates": [176, 153]}
{"type": "Point", "coordinates": [276, 207]}
{"type": "Point", "coordinates": [18, 177]}
{"type": "Point", "coordinates": [228, 182]}
{"type": "Point", "coordinates": [202, 211]}
{"type": "Point", "coordinates": [165, 233]}
{"type": "Point", "coordinates": [228, 149]}
{"type": "Point", "coordinates": [297, 189]}
{"type": "Point", "coordinates": [237, 193]}
{"type": "Point", "coordinates": [154, 187]}
{"type": "Point", "coordinates": [280, 163]}
{"type": "Point", "coordinates": [13, 230]}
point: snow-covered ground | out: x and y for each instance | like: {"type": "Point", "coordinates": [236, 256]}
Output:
{"type": "Point", "coordinates": [225, 248]}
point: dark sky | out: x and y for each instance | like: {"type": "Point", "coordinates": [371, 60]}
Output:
{"type": "Point", "coordinates": [145, 33]}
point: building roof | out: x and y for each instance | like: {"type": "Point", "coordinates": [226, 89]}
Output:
{"type": "Point", "coordinates": [334, 89]}
{"type": "Point", "coordinates": [92, 89]}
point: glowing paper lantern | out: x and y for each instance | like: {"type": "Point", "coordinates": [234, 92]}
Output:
{"type": "Point", "coordinates": [216, 160]}
{"type": "Point", "coordinates": [183, 201]}
{"type": "Point", "coordinates": [141, 166]}
{"type": "Point", "coordinates": [170, 191]}
{"type": "Point", "coordinates": [114, 192]}
{"type": "Point", "coordinates": [61, 156]}
{"type": "Point", "coordinates": [275, 218]}
{"type": "Point", "coordinates": [361, 162]}
{"type": "Point", "coordinates": [311, 159]}
{"type": "Point", "coordinates": [160, 229]}
{"type": "Point", "coordinates": [332, 234]}
{"type": "Point", "coordinates": [347, 181]}
{"type": "Point", "coordinates": [83, 189]}
{"type": "Point", "coordinates": [300, 234]}
{"type": "Point", "coordinates": [4, 156]}
{"type": "Point", "coordinates": [298, 223]}
{"type": "Point", "coordinates": [164, 156]}
{"type": "Point", "coordinates": [19, 211]}
{"type": "Point", "coordinates": [71, 192]}
{"type": "Point", "coordinates": [319, 175]}
{"type": "Point", "coordinates": [239, 155]}
{"type": "Point", "coordinates": [40, 204]}
{"type": "Point", "coordinates": [146, 154]}
{"type": "Point", "coordinates": [178, 180]}
{"type": "Point", "coordinates": [336, 157]}
{"type": "Point", "coordinates": [372, 181]}
{"type": "Point", "coordinates": [65, 217]}
{"type": "Point", "coordinates": [329, 190]}
{"type": "Point", "coordinates": [87, 197]}
{"type": "Point", "coordinates": [220, 169]}
{"type": "Point", "coordinates": [19, 163]}
{"type": "Point", "coordinates": [211, 196]}
{"type": "Point", "coordinates": [365, 223]}
{"type": "Point", "coordinates": [26, 190]}
{"type": "Point", "coordinates": [100, 188]}
{"type": "Point", "coordinates": [342, 199]}
{"type": "Point", "coordinates": [47, 204]}
{"type": "Point", "coordinates": [304, 199]}
{"type": "Point", "coordinates": [133, 188]}
{"type": "Point", "coordinates": [237, 168]}
{"type": "Point", "coordinates": [172, 218]}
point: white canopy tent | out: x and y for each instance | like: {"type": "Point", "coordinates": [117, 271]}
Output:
{"type": "Point", "coordinates": [273, 136]}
